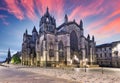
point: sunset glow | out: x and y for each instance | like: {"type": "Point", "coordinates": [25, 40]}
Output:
{"type": "Point", "coordinates": [101, 18]}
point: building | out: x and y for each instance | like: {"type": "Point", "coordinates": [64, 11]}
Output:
{"type": "Point", "coordinates": [62, 45]}
{"type": "Point", "coordinates": [108, 55]}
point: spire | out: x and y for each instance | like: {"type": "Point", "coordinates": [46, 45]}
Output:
{"type": "Point", "coordinates": [93, 39]}
{"type": "Point", "coordinates": [88, 37]}
{"type": "Point", "coordinates": [26, 32]}
{"type": "Point", "coordinates": [47, 11]}
{"type": "Point", "coordinates": [66, 18]}
{"type": "Point", "coordinates": [34, 30]}
{"type": "Point", "coordinates": [9, 53]}
{"type": "Point", "coordinates": [81, 24]}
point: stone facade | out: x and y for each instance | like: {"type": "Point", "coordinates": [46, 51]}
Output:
{"type": "Point", "coordinates": [65, 44]}
{"type": "Point", "coordinates": [108, 54]}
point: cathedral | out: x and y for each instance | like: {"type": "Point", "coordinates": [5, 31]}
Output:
{"type": "Point", "coordinates": [64, 45]}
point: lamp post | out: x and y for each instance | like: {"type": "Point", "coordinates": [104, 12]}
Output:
{"type": "Point", "coordinates": [102, 71]}
{"type": "Point", "coordinates": [85, 63]}
{"type": "Point", "coordinates": [46, 60]}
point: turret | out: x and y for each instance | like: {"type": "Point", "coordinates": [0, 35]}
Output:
{"type": "Point", "coordinates": [88, 37]}
{"type": "Point", "coordinates": [34, 34]}
{"type": "Point", "coordinates": [81, 24]}
{"type": "Point", "coordinates": [93, 39]}
{"type": "Point", "coordinates": [26, 32]}
{"type": "Point", "coordinates": [25, 35]}
{"type": "Point", "coordinates": [34, 30]}
{"type": "Point", "coordinates": [66, 18]}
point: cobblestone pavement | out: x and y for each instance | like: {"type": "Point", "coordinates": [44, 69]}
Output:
{"type": "Point", "coordinates": [11, 75]}
{"type": "Point", "coordinates": [92, 75]}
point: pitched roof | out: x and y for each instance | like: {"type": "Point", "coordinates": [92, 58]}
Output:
{"type": "Point", "coordinates": [69, 23]}
{"type": "Point", "coordinates": [34, 29]}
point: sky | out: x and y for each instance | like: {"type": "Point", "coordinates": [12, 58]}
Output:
{"type": "Point", "coordinates": [101, 18]}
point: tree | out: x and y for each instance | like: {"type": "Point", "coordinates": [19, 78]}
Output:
{"type": "Point", "coordinates": [15, 59]}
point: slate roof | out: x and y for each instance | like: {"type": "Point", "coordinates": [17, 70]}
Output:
{"type": "Point", "coordinates": [69, 23]}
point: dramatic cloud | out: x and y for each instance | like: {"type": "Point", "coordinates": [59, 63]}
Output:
{"type": "Point", "coordinates": [56, 7]}
{"type": "Point", "coordinates": [109, 29]}
{"type": "Point", "coordinates": [3, 17]}
{"type": "Point", "coordinates": [13, 8]}
{"type": "Point", "coordinates": [83, 11]}
{"type": "Point", "coordinates": [101, 16]}
{"type": "Point", "coordinates": [29, 7]}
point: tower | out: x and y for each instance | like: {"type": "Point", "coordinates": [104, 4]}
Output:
{"type": "Point", "coordinates": [34, 34]}
{"type": "Point", "coordinates": [47, 23]}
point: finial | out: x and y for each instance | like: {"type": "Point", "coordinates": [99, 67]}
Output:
{"type": "Point", "coordinates": [47, 8]}
{"type": "Point", "coordinates": [74, 20]}
{"type": "Point", "coordinates": [93, 39]}
{"type": "Point", "coordinates": [66, 18]}
{"type": "Point", "coordinates": [47, 11]}
{"type": "Point", "coordinates": [81, 24]}
{"type": "Point", "coordinates": [26, 31]}
{"type": "Point", "coordinates": [88, 37]}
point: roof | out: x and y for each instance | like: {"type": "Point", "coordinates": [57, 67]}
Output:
{"type": "Point", "coordinates": [34, 29]}
{"type": "Point", "coordinates": [107, 44]}
{"type": "Point", "coordinates": [69, 23]}
{"type": "Point", "coordinates": [62, 32]}
{"type": "Point", "coordinates": [104, 45]}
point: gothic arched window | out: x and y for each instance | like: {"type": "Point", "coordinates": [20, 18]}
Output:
{"type": "Point", "coordinates": [73, 41]}
{"type": "Point", "coordinates": [51, 50]}
{"type": "Point", "coordinates": [47, 20]}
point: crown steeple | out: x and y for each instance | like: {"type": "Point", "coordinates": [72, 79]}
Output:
{"type": "Point", "coordinates": [49, 21]}
{"type": "Point", "coordinates": [47, 12]}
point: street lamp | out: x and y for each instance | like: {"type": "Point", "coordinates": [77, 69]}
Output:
{"type": "Point", "coordinates": [102, 71]}
{"type": "Point", "coordinates": [85, 63]}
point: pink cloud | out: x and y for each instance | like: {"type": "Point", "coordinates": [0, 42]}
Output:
{"type": "Point", "coordinates": [14, 9]}
{"type": "Point", "coordinates": [3, 17]}
{"type": "Point", "coordinates": [115, 12]}
{"type": "Point", "coordinates": [55, 7]}
{"type": "Point", "coordinates": [85, 11]}
{"type": "Point", "coordinates": [5, 23]}
{"type": "Point", "coordinates": [29, 7]}
{"type": "Point", "coordinates": [108, 30]}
